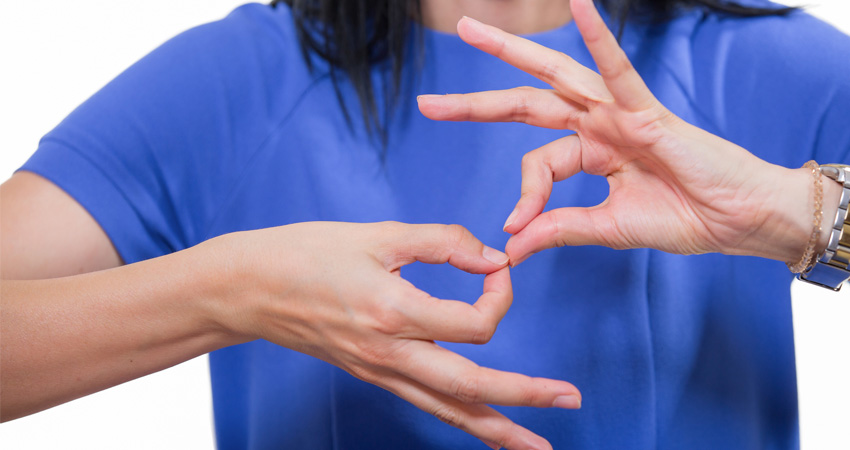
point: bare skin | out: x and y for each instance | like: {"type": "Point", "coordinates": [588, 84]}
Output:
{"type": "Point", "coordinates": [330, 290]}
{"type": "Point", "coordinates": [673, 186]}
{"type": "Point", "coordinates": [512, 16]}
{"type": "Point", "coordinates": [75, 320]}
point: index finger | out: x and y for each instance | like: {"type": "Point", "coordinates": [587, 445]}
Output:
{"type": "Point", "coordinates": [573, 80]}
{"type": "Point", "coordinates": [437, 244]}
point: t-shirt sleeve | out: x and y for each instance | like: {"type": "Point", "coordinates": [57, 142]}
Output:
{"type": "Point", "coordinates": [154, 153]}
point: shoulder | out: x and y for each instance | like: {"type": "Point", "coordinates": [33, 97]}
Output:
{"type": "Point", "coordinates": [254, 47]}
{"type": "Point", "coordinates": [153, 153]}
{"type": "Point", "coordinates": [785, 46]}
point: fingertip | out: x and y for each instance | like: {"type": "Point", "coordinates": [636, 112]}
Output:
{"type": "Point", "coordinates": [517, 261]}
{"type": "Point", "coordinates": [495, 256]}
{"type": "Point", "coordinates": [510, 221]}
{"type": "Point", "coordinates": [521, 217]}
{"type": "Point", "coordinates": [471, 31]}
{"type": "Point", "coordinates": [498, 282]}
{"type": "Point", "coordinates": [426, 97]}
{"type": "Point", "coordinates": [515, 251]}
{"type": "Point", "coordinates": [426, 104]}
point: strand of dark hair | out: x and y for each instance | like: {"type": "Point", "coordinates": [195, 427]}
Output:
{"type": "Point", "coordinates": [356, 36]}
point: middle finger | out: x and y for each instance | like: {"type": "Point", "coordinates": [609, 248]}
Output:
{"type": "Point", "coordinates": [452, 374]}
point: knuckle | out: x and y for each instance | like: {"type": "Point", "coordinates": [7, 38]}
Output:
{"type": "Point", "coordinates": [467, 388]}
{"type": "Point", "coordinates": [483, 332]}
{"type": "Point", "coordinates": [455, 235]}
{"type": "Point", "coordinates": [520, 110]}
{"type": "Point", "coordinates": [553, 228]}
{"type": "Point", "coordinates": [362, 373]}
{"type": "Point", "coordinates": [618, 65]}
{"type": "Point", "coordinates": [375, 354]}
{"type": "Point", "coordinates": [387, 319]}
{"type": "Point", "coordinates": [448, 415]}
{"type": "Point", "coordinates": [529, 160]}
{"type": "Point", "coordinates": [551, 67]}
{"type": "Point", "coordinates": [530, 396]}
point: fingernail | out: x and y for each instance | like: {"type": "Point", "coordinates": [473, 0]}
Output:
{"type": "Point", "coordinates": [567, 402]}
{"type": "Point", "coordinates": [426, 96]}
{"type": "Point", "coordinates": [600, 98]}
{"type": "Point", "coordinates": [494, 256]}
{"type": "Point", "coordinates": [511, 219]}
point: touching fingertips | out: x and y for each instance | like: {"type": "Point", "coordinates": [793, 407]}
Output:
{"type": "Point", "coordinates": [495, 256]}
{"type": "Point", "coordinates": [516, 261]}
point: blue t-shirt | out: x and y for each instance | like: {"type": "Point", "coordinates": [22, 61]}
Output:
{"type": "Point", "coordinates": [224, 128]}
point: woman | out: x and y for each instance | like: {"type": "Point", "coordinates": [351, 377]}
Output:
{"type": "Point", "coordinates": [225, 129]}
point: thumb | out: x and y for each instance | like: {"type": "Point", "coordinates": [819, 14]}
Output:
{"type": "Point", "coordinates": [558, 228]}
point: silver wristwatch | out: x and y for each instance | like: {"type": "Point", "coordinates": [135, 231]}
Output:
{"type": "Point", "coordinates": [830, 269]}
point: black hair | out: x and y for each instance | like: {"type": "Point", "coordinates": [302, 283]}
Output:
{"type": "Point", "coordinates": [357, 36]}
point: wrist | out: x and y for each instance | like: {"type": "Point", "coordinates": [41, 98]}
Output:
{"type": "Point", "coordinates": [787, 217]}
{"type": "Point", "coordinates": [787, 231]}
{"type": "Point", "coordinates": [216, 272]}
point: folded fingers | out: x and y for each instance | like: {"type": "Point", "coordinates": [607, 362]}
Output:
{"type": "Point", "coordinates": [430, 318]}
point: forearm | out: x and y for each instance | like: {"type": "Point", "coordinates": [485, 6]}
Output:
{"type": "Point", "coordinates": [68, 337]}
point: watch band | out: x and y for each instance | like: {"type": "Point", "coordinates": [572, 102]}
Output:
{"type": "Point", "coordinates": [832, 267]}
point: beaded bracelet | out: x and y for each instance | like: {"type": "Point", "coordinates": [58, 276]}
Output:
{"type": "Point", "coordinates": [807, 260]}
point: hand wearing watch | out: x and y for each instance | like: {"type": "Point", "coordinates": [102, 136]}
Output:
{"type": "Point", "coordinates": [830, 269]}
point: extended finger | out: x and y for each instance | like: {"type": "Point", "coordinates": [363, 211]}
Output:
{"type": "Point", "coordinates": [479, 420]}
{"type": "Point", "coordinates": [621, 79]}
{"type": "Point", "coordinates": [431, 318]}
{"type": "Point", "coordinates": [552, 67]}
{"type": "Point", "coordinates": [564, 226]}
{"type": "Point", "coordinates": [437, 244]}
{"type": "Point", "coordinates": [538, 107]}
{"type": "Point", "coordinates": [555, 161]}
{"type": "Point", "coordinates": [453, 375]}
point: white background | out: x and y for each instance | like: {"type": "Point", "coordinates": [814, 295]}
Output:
{"type": "Point", "coordinates": [56, 53]}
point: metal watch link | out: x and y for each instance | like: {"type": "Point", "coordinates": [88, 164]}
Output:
{"type": "Point", "coordinates": [830, 269]}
